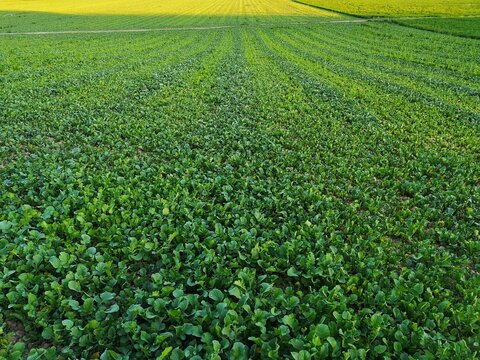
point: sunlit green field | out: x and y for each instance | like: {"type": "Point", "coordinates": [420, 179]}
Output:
{"type": "Point", "coordinates": [41, 15]}
{"type": "Point", "coordinates": [164, 7]}
{"type": "Point", "coordinates": [236, 180]}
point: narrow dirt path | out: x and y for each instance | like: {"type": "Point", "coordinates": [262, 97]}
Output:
{"type": "Point", "coordinates": [114, 30]}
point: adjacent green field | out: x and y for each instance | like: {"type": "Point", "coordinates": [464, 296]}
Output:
{"type": "Point", "coordinates": [270, 190]}
{"type": "Point", "coordinates": [466, 27]}
{"type": "Point", "coordinates": [459, 18]}
{"type": "Point", "coordinates": [392, 8]}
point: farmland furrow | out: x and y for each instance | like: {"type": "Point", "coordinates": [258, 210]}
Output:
{"type": "Point", "coordinates": [350, 259]}
{"type": "Point", "coordinates": [408, 138]}
{"type": "Point", "coordinates": [367, 68]}
{"type": "Point", "coordinates": [79, 87]}
{"type": "Point", "coordinates": [395, 59]}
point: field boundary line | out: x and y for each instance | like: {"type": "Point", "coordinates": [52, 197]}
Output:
{"type": "Point", "coordinates": [329, 10]}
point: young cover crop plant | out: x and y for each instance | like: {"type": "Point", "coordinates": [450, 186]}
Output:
{"type": "Point", "coordinates": [261, 191]}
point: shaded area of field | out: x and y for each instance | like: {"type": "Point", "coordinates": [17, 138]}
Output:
{"type": "Point", "coordinates": [249, 192]}
{"type": "Point", "coordinates": [31, 22]}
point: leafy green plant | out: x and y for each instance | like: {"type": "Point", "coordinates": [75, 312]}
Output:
{"type": "Point", "coordinates": [300, 192]}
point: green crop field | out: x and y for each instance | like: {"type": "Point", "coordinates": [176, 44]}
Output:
{"type": "Point", "coordinates": [401, 7]}
{"type": "Point", "coordinates": [466, 27]}
{"type": "Point", "coordinates": [223, 179]}
{"type": "Point", "coordinates": [452, 17]}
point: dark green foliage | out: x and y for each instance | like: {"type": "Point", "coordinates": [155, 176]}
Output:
{"type": "Point", "coordinates": [298, 193]}
{"type": "Point", "coordinates": [465, 27]}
